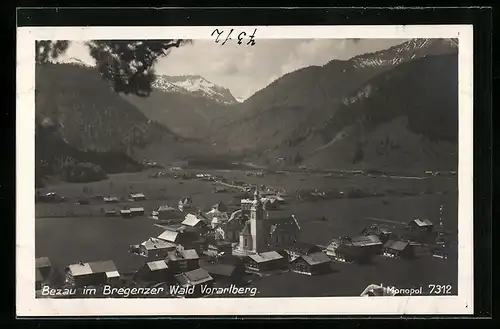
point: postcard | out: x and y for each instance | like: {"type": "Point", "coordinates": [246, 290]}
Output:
{"type": "Point", "coordinates": [244, 170]}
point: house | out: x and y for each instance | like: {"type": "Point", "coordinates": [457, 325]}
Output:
{"type": "Point", "coordinates": [371, 243]}
{"type": "Point", "coordinates": [195, 278]}
{"type": "Point", "coordinates": [218, 220]}
{"type": "Point", "coordinates": [195, 223]}
{"type": "Point", "coordinates": [397, 249]}
{"type": "Point", "coordinates": [382, 232]}
{"type": "Point", "coordinates": [266, 261]}
{"type": "Point", "coordinates": [137, 196]}
{"type": "Point", "coordinates": [137, 211]}
{"type": "Point", "coordinates": [224, 271]}
{"type": "Point", "coordinates": [181, 236]}
{"type": "Point", "coordinates": [171, 236]}
{"type": "Point", "coordinates": [297, 249]}
{"type": "Point", "coordinates": [420, 250]}
{"type": "Point", "coordinates": [110, 199]}
{"type": "Point", "coordinates": [344, 250]}
{"type": "Point", "coordinates": [154, 271]}
{"type": "Point", "coordinates": [43, 264]}
{"type": "Point", "coordinates": [218, 208]}
{"type": "Point", "coordinates": [185, 204]}
{"type": "Point", "coordinates": [182, 260]}
{"type": "Point", "coordinates": [43, 270]}
{"type": "Point", "coordinates": [349, 253]}
{"type": "Point", "coordinates": [313, 263]}
{"type": "Point", "coordinates": [167, 213]}
{"type": "Point", "coordinates": [269, 203]}
{"type": "Point", "coordinates": [92, 274]}
{"type": "Point", "coordinates": [155, 249]}
{"type": "Point", "coordinates": [230, 230]}
{"type": "Point", "coordinates": [110, 213]}
{"type": "Point", "coordinates": [125, 213]}
{"type": "Point", "coordinates": [421, 225]}
{"type": "Point", "coordinates": [220, 247]}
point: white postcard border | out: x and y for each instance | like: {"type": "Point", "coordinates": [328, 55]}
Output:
{"type": "Point", "coordinates": [28, 305]}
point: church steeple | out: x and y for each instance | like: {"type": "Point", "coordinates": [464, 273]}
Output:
{"type": "Point", "coordinates": [256, 196]}
{"type": "Point", "coordinates": [257, 223]}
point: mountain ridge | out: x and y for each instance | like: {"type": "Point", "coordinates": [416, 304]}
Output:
{"type": "Point", "coordinates": [295, 106]}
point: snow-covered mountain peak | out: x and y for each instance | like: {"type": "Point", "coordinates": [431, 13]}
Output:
{"type": "Point", "coordinates": [411, 49]}
{"type": "Point", "coordinates": [74, 61]}
{"type": "Point", "coordinates": [196, 85]}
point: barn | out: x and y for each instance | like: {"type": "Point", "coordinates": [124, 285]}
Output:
{"type": "Point", "coordinates": [311, 264]}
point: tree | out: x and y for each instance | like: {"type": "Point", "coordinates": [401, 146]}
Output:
{"type": "Point", "coordinates": [127, 64]}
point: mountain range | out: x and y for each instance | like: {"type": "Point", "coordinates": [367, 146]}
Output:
{"type": "Point", "coordinates": [284, 120]}
{"type": "Point", "coordinates": [392, 108]}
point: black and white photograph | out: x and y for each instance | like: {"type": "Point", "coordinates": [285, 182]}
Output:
{"type": "Point", "coordinates": [245, 164]}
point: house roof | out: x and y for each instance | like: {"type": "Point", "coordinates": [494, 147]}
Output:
{"type": "Point", "coordinates": [125, 211]}
{"type": "Point", "coordinates": [42, 262]}
{"type": "Point", "coordinates": [364, 241]}
{"type": "Point", "coordinates": [94, 267]}
{"type": "Point", "coordinates": [422, 222]}
{"type": "Point", "coordinates": [236, 214]}
{"type": "Point", "coordinates": [157, 265]}
{"type": "Point", "coordinates": [194, 277]}
{"type": "Point", "coordinates": [348, 250]}
{"type": "Point", "coordinates": [316, 258]}
{"type": "Point", "coordinates": [165, 208]}
{"type": "Point", "coordinates": [137, 195]}
{"type": "Point", "coordinates": [189, 254]}
{"type": "Point", "coordinates": [266, 256]}
{"type": "Point", "coordinates": [191, 220]}
{"type": "Point", "coordinates": [154, 244]}
{"type": "Point", "coordinates": [136, 209]}
{"type": "Point", "coordinates": [396, 245]}
{"type": "Point", "coordinates": [112, 274]}
{"type": "Point", "coordinates": [218, 268]}
{"type": "Point", "coordinates": [80, 269]}
{"type": "Point", "coordinates": [283, 225]}
{"type": "Point", "coordinates": [103, 266]}
{"type": "Point", "coordinates": [169, 236]}
{"type": "Point", "coordinates": [378, 229]}
{"type": "Point", "coordinates": [220, 206]}
{"type": "Point", "coordinates": [301, 247]}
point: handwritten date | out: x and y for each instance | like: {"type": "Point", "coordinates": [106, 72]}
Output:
{"type": "Point", "coordinates": [224, 36]}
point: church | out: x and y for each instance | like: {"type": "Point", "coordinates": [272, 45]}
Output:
{"type": "Point", "coordinates": [261, 233]}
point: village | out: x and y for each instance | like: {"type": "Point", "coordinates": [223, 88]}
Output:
{"type": "Point", "coordinates": [233, 245]}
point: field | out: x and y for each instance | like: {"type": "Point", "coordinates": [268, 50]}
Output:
{"type": "Point", "coordinates": [68, 232]}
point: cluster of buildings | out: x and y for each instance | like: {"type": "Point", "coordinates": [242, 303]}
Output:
{"type": "Point", "coordinates": [418, 240]}
{"type": "Point", "coordinates": [212, 248]}
{"type": "Point", "coordinates": [220, 247]}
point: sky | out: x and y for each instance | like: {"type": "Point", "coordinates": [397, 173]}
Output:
{"type": "Point", "coordinates": [244, 69]}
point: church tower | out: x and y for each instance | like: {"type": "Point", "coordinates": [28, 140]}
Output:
{"type": "Point", "coordinates": [257, 224]}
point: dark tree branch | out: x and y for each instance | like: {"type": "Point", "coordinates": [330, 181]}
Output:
{"type": "Point", "coordinates": [127, 64]}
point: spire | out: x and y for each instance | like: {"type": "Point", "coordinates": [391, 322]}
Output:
{"type": "Point", "coordinates": [256, 193]}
